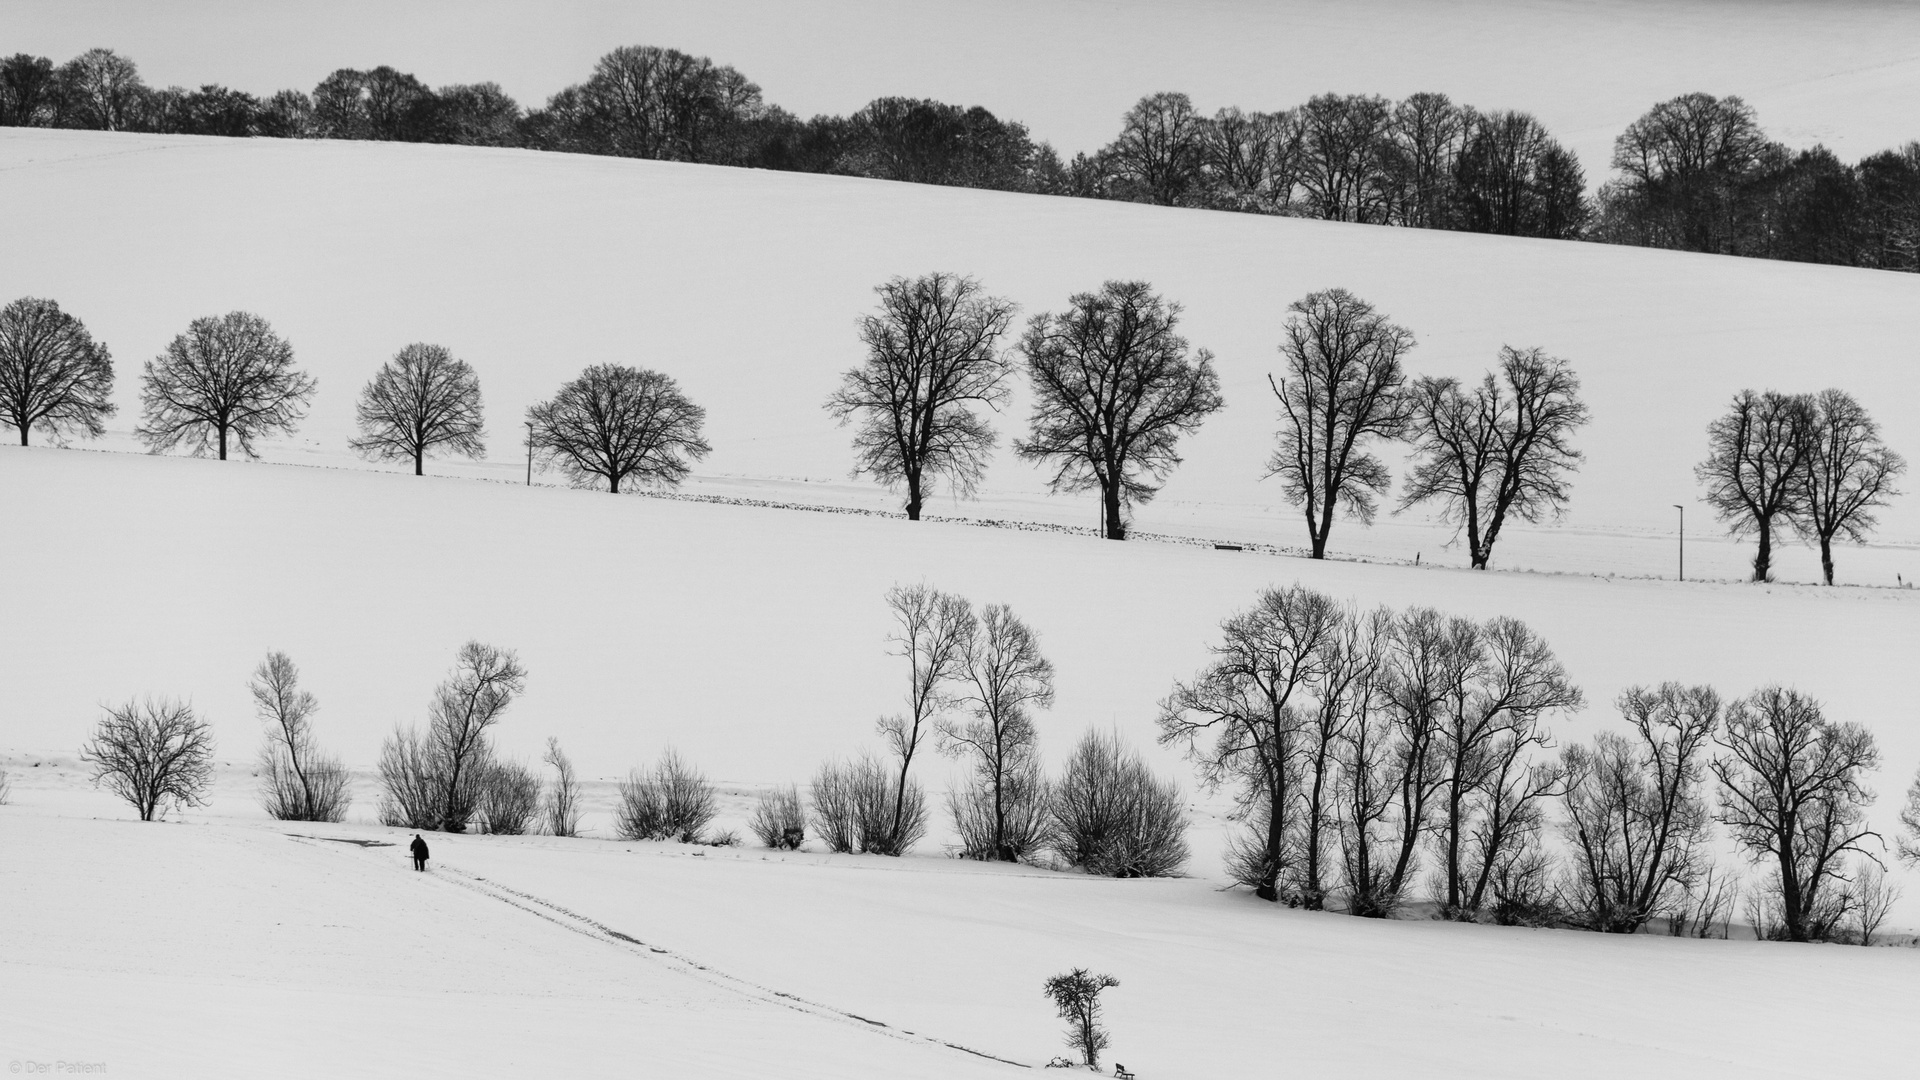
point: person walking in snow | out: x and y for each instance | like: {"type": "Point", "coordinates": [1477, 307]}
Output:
{"type": "Point", "coordinates": [419, 848]}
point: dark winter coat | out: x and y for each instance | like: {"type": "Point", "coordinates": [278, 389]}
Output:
{"type": "Point", "coordinates": [419, 848]}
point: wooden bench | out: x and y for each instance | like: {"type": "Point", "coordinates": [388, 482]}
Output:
{"type": "Point", "coordinates": [1120, 1072]}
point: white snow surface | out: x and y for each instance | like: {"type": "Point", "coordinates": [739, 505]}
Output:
{"type": "Point", "coordinates": [753, 638]}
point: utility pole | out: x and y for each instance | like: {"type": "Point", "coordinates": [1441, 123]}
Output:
{"type": "Point", "coordinates": [1683, 540]}
{"type": "Point", "coordinates": [529, 424]}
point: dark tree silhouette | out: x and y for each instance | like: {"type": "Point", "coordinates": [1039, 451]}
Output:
{"type": "Point", "coordinates": [421, 400]}
{"type": "Point", "coordinates": [152, 753]}
{"type": "Point", "coordinates": [29, 91]}
{"type": "Point", "coordinates": [1503, 448]}
{"type": "Point", "coordinates": [226, 379]}
{"type": "Point", "coordinates": [53, 375]}
{"type": "Point", "coordinates": [1908, 842]}
{"type": "Point", "coordinates": [1757, 455]}
{"type": "Point", "coordinates": [1499, 683]}
{"type": "Point", "coordinates": [1636, 820]}
{"type": "Point", "coordinates": [1343, 389]}
{"type": "Point", "coordinates": [1114, 389]}
{"type": "Point", "coordinates": [1687, 169]}
{"type": "Point", "coordinates": [1849, 474]}
{"type": "Point", "coordinates": [615, 424]}
{"type": "Point", "coordinates": [932, 635]}
{"type": "Point", "coordinates": [1077, 996]}
{"type": "Point", "coordinates": [1003, 677]}
{"type": "Point", "coordinates": [101, 90]}
{"type": "Point", "coordinates": [1161, 148]}
{"type": "Point", "coordinates": [1249, 718]}
{"type": "Point", "coordinates": [932, 353]}
{"type": "Point", "coordinates": [1793, 793]}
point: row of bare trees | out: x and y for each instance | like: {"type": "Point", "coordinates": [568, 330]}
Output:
{"type": "Point", "coordinates": [1814, 462]}
{"type": "Point", "coordinates": [1114, 388]}
{"type": "Point", "coordinates": [1374, 752]}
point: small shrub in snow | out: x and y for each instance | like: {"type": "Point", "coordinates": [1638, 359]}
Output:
{"type": "Point", "coordinates": [779, 818]}
{"type": "Point", "coordinates": [6, 787]}
{"type": "Point", "coordinates": [671, 801]}
{"type": "Point", "coordinates": [726, 838]}
{"type": "Point", "coordinates": [1111, 815]}
{"type": "Point", "coordinates": [560, 812]}
{"type": "Point", "coordinates": [1077, 997]}
{"type": "Point", "coordinates": [152, 753]}
{"type": "Point", "coordinates": [509, 798]}
{"type": "Point", "coordinates": [853, 808]}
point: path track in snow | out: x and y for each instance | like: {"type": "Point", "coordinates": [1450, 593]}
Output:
{"type": "Point", "coordinates": [568, 919]}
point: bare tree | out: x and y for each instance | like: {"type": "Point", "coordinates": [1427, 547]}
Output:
{"type": "Point", "coordinates": [1342, 137]}
{"type": "Point", "coordinates": [1636, 812]}
{"type": "Point", "coordinates": [1423, 661]}
{"type": "Point", "coordinates": [932, 635]}
{"type": "Point", "coordinates": [53, 375]}
{"type": "Point", "coordinates": [102, 90]}
{"type": "Point", "coordinates": [1502, 449]}
{"type": "Point", "coordinates": [932, 353]}
{"type": "Point", "coordinates": [1368, 762]}
{"type": "Point", "coordinates": [561, 810]}
{"type": "Point", "coordinates": [1003, 676]}
{"type": "Point", "coordinates": [1161, 149]}
{"type": "Point", "coordinates": [509, 800]}
{"type": "Point", "coordinates": [421, 400]}
{"type": "Point", "coordinates": [1849, 474]}
{"type": "Point", "coordinates": [484, 681]}
{"type": "Point", "coordinates": [152, 753]}
{"type": "Point", "coordinates": [1243, 718]}
{"type": "Point", "coordinates": [1757, 455]}
{"type": "Point", "coordinates": [300, 783]}
{"type": "Point", "coordinates": [1343, 389]}
{"type": "Point", "coordinates": [1793, 793]}
{"type": "Point", "coordinates": [617, 425]}
{"type": "Point", "coordinates": [1077, 997]}
{"type": "Point", "coordinates": [226, 378]}
{"type": "Point", "coordinates": [1114, 389]}
{"type": "Point", "coordinates": [1873, 898]}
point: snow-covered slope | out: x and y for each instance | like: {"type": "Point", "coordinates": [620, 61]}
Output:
{"type": "Point", "coordinates": [221, 948]}
{"type": "Point", "coordinates": [745, 285]}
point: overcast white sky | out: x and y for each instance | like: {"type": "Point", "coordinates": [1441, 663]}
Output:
{"type": "Point", "coordinates": [1846, 72]}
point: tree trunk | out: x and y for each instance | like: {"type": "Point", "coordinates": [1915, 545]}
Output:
{"type": "Point", "coordinates": [1763, 559]}
{"type": "Point", "coordinates": [1319, 535]}
{"type": "Point", "coordinates": [222, 428]}
{"type": "Point", "coordinates": [23, 434]}
{"type": "Point", "coordinates": [419, 454]}
{"type": "Point", "coordinates": [1455, 797]}
{"type": "Point", "coordinates": [913, 495]}
{"type": "Point", "coordinates": [613, 484]}
{"type": "Point", "coordinates": [1110, 507]}
{"type": "Point", "coordinates": [1826, 558]}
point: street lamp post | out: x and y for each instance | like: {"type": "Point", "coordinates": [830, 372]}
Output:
{"type": "Point", "coordinates": [529, 424]}
{"type": "Point", "coordinates": [1683, 540]}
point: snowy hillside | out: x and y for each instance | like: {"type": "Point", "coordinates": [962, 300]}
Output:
{"type": "Point", "coordinates": [752, 638]}
{"type": "Point", "coordinates": [744, 285]}
{"type": "Point", "coordinates": [223, 948]}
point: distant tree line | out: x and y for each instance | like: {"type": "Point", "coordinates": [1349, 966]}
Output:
{"type": "Point", "coordinates": [1696, 173]}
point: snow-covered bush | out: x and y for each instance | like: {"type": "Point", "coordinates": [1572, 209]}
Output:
{"type": "Point", "coordinates": [152, 753]}
{"type": "Point", "coordinates": [780, 819]}
{"type": "Point", "coordinates": [1111, 816]}
{"type": "Point", "coordinates": [6, 787]}
{"type": "Point", "coordinates": [509, 797]}
{"type": "Point", "coordinates": [671, 801]}
{"type": "Point", "coordinates": [860, 806]}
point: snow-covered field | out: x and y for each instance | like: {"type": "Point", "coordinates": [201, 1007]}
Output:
{"type": "Point", "coordinates": [753, 639]}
